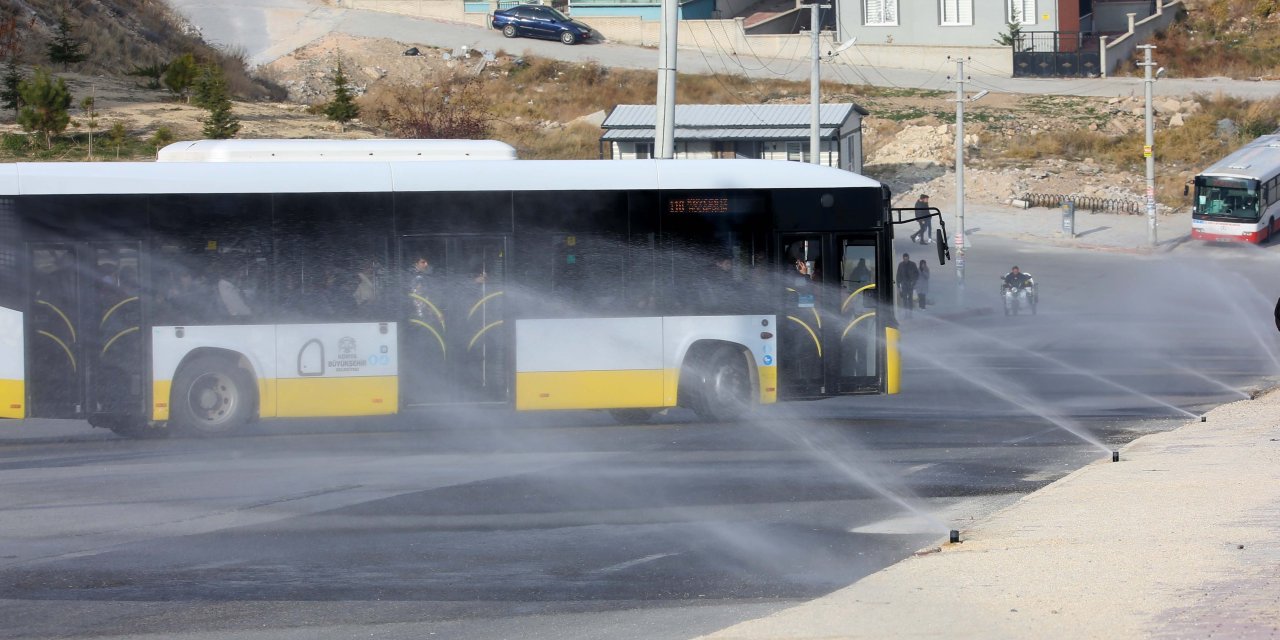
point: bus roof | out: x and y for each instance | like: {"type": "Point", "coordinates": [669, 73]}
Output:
{"type": "Point", "coordinates": [124, 178]}
{"type": "Point", "coordinates": [334, 150]}
{"type": "Point", "coordinates": [1259, 159]}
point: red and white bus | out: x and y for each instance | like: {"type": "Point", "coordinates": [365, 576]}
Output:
{"type": "Point", "coordinates": [1236, 199]}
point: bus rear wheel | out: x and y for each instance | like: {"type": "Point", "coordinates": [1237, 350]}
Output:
{"type": "Point", "coordinates": [211, 396]}
{"type": "Point", "coordinates": [724, 386]}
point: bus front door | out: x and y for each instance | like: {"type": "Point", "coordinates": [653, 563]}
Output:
{"type": "Point", "coordinates": [828, 330]}
{"type": "Point", "coordinates": [54, 333]}
{"type": "Point", "coordinates": [804, 317]}
{"type": "Point", "coordinates": [454, 344]}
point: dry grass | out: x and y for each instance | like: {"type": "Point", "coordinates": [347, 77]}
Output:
{"type": "Point", "coordinates": [1180, 151]}
{"type": "Point", "coordinates": [121, 35]}
{"type": "Point", "coordinates": [1234, 38]}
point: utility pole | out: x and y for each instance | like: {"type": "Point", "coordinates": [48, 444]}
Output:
{"type": "Point", "coordinates": [1148, 150]}
{"type": "Point", "coordinates": [960, 231]}
{"type": "Point", "coordinates": [815, 93]}
{"type": "Point", "coordinates": [665, 128]}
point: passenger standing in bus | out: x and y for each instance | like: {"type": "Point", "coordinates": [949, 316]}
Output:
{"type": "Point", "coordinates": [908, 273]}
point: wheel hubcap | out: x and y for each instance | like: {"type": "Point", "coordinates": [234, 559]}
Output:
{"type": "Point", "coordinates": [213, 398]}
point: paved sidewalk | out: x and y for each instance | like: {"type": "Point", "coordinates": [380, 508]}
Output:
{"type": "Point", "coordinates": [1040, 225]}
{"type": "Point", "coordinates": [1176, 540]}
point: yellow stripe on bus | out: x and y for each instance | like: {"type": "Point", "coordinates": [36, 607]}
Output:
{"type": "Point", "coordinates": [768, 384]}
{"type": "Point", "coordinates": [160, 400]}
{"type": "Point", "coordinates": [316, 397]}
{"type": "Point", "coordinates": [112, 310]}
{"type": "Point", "coordinates": [632, 388]}
{"type": "Point", "coordinates": [817, 343]}
{"type": "Point", "coordinates": [308, 397]}
{"type": "Point", "coordinates": [62, 344]}
{"type": "Point", "coordinates": [13, 395]}
{"type": "Point", "coordinates": [71, 328]}
{"type": "Point", "coordinates": [892, 362]}
{"type": "Point", "coordinates": [480, 303]}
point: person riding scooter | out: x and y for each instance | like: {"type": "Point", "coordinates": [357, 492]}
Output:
{"type": "Point", "coordinates": [1016, 287]}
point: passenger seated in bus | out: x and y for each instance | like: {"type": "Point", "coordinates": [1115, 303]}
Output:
{"type": "Point", "coordinates": [366, 293]}
{"type": "Point", "coordinates": [229, 293]}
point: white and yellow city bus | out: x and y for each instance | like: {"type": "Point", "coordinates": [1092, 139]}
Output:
{"type": "Point", "coordinates": [245, 280]}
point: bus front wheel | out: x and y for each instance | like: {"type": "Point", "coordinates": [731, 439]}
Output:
{"type": "Point", "coordinates": [724, 386]}
{"type": "Point", "coordinates": [211, 396]}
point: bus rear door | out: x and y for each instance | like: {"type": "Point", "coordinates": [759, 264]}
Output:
{"type": "Point", "coordinates": [85, 353]}
{"type": "Point", "coordinates": [454, 344]}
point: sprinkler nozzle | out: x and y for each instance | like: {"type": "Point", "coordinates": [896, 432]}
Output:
{"type": "Point", "coordinates": [1115, 456]}
{"type": "Point", "coordinates": [1204, 418]}
{"type": "Point", "coordinates": [955, 536]}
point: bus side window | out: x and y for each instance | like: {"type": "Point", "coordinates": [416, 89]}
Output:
{"type": "Point", "coordinates": [587, 274]}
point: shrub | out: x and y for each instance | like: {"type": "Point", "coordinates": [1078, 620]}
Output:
{"type": "Point", "coordinates": [45, 100]}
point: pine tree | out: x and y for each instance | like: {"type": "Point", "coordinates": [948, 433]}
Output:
{"type": "Point", "coordinates": [206, 79]}
{"type": "Point", "coordinates": [10, 97]}
{"type": "Point", "coordinates": [180, 75]}
{"type": "Point", "coordinates": [90, 119]}
{"type": "Point", "coordinates": [45, 100]}
{"type": "Point", "coordinates": [65, 48]}
{"type": "Point", "coordinates": [343, 108]}
{"type": "Point", "coordinates": [11, 50]}
{"type": "Point", "coordinates": [221, 123]}
{"type": "Point", "coordinates": [117, 135]}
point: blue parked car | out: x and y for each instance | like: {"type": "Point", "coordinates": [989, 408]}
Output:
{"type": "Point", "coordinates": [537, 21]}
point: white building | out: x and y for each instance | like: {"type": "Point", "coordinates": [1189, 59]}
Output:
{"type": "Point", "coordinates": [760, 131]}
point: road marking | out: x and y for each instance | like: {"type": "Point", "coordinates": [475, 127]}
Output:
{"type": "Point", "coordinates": [631, 563]}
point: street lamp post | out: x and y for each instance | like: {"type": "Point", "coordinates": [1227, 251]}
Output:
{"type": "Point", "coordinates": [815, 93]}
{"type": "Point", "coordinates": [665, 126]}
{"type": "Point", "coordinates": [1148, 150]}
{"type": "Point", "coordinates": [961, 239]}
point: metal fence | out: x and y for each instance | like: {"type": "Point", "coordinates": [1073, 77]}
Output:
{"type": "Point", "coordinates": [1088, 203]}
{"type": "Point", "coordinates": [1057, 54]}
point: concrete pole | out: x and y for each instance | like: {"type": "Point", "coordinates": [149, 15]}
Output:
{"type": "Point", "coordinates": [815, 93]}
{"type": "Point", "coordinates": [1149, 149]}
{"type": "Point", "coordinates": [665, 128]}
{"type": "Point", "coordinates": [961, 234]}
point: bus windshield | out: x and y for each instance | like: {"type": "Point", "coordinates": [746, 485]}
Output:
{"type": "Point", "coordinates": [1227, 197]}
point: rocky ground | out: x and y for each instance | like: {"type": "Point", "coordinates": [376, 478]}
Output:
{"type": "Point", "coordinates": [909, 138]}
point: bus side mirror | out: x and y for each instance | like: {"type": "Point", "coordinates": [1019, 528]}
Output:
{"type": "Point", "coordinates": [1277, 315]}
{"type": "Point", "coordinates": [944, 251]}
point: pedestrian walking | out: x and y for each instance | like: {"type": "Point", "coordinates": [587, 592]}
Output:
{"type": "Point", "coordinates": [908, 274]}
{"type": "Point", "coordinates": [922, 283]}
{"type": "Point", "coordinates": [923, 219]}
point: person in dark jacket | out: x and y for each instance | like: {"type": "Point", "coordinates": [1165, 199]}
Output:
{"type": "Point", "coordinates": [908, 274]}
{"type": "Point", "coordinates": [923, 219]}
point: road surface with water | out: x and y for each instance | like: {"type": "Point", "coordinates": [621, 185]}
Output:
{"type": "Point", "coordinates": [477, 525]}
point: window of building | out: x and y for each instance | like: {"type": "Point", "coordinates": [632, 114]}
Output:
{"type": "Point", "coordinates": [880, 12]}
{"type": "Point", "coordinates": [956, 12]}
{"type": "Point", "coordinates": [644, 150]}
{"type": "Point", "coordinates": [798, 151]}
{"type": "Point", "coordinates": [1022, 11]}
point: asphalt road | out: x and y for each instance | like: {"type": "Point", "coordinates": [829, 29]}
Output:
{"type": "Point", "coordinates": [267, 29]}
{"type": "Point", "coordinates": [481, 525]}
